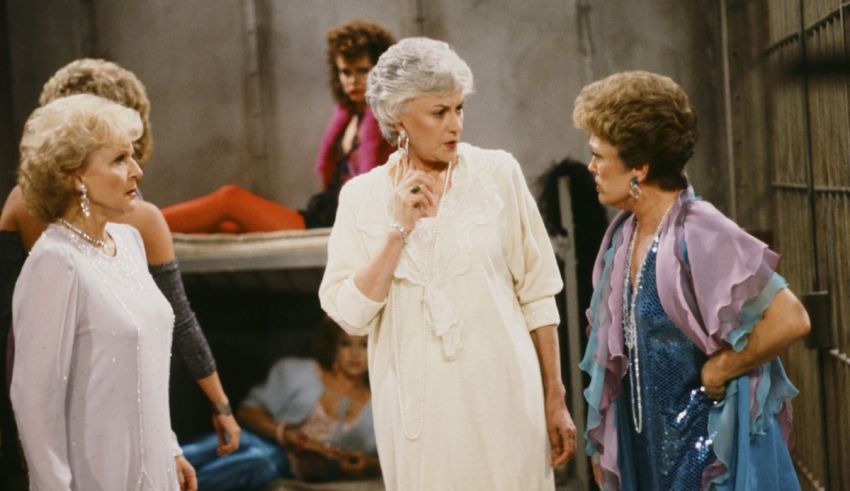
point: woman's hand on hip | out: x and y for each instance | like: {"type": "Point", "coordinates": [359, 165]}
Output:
{"type": "Point", "coordinates": [414, 198]}
{"type": "Point", "coordinates": [713, 378]}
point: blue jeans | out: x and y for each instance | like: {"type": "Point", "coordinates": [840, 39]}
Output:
{"type": "Point", "coordinates": [256, 462]}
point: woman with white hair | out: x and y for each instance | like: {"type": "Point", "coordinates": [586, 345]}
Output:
{"type": "Point", "coordinates": [92, 330]}
{"type": "Point", "coordinates": [441, 257]}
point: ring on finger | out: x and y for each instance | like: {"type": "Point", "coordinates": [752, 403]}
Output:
{"type": "Point", "coordinates": [415, 189]}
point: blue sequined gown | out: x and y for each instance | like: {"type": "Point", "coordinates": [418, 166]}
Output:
{"type": "Point", "coordinates": [673, 447]}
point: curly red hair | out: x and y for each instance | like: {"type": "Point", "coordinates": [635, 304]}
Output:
{"type": "Point", "coordinates": [351, 41]}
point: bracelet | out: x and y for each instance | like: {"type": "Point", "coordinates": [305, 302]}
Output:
{"type": "Point", "coordinates": [222, 408]}
{"type": "Point", "coordinates": [401, 230]}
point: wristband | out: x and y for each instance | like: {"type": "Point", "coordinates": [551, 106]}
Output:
{"type": "Point", "coordinates": [222, 408]}
{"type": "Point", "coordinates": [401, 230]}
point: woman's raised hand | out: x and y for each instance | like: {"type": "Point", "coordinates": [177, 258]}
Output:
{"type": "Point", "coordinates": [414, 198]}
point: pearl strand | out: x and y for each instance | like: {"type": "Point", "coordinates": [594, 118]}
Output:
{"type": "Point", "coordinates": [630, 332]}
{"type": "Point", "coordinates": [394, 329]}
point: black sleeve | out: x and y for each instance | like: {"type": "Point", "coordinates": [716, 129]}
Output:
{"type": "Point", "coordinates": [189, 340]}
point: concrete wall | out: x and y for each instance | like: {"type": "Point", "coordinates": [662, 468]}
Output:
{"type": "Point", "coordinates": [680, 40]}
{"type": "Point", "coordinates": [244, 102]}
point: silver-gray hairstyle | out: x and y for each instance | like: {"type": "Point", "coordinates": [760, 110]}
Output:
{"type": "Point", "coordinates": [408, 69]}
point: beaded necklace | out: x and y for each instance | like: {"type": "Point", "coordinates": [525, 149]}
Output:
{"type": "Point", "coordinates": [630, 331]}
{"type": "Point", "coordinates": [101, 244]}
{"type": "Point", "coordinates": [394, 329]}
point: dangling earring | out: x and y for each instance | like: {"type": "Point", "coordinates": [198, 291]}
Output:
{"type": "Point", "coordinates": [84, 201]}
{"type": "Point", "coordinates": [403, 143]}
{"type": "Point", "coordinates": [634, 188]}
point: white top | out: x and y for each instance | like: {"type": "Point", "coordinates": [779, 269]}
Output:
{"type": "Point", "coordinates": [456, 387]}
{"type": "Point", "coordinates": [92, 360]}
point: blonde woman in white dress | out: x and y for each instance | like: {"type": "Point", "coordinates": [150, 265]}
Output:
{"type": "Point", "coordinates": [441, 257]}
{"type": "Point", "coordinates": [92, 330]}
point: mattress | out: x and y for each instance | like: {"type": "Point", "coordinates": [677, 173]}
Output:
{"type": "Point", "coordinates": [287, 249]}
{"type": "Point", "coordinates": [289, 260]}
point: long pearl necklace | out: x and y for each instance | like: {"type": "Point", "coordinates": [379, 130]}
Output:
{"type": "Point", "coordinates": [414, 435]}
{"type": "Point", "coordinates": [630, 331]}
{"type": "Point", "coordinates": [100, 244]}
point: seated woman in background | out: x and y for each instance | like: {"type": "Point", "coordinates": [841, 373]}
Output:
{"type": "Point", "coordinates": [352, 145]}
{"type": "Point", "coordinates": [311, 420]}
{"type": "Point", "coordinates": [19, 229]}
{"type": "Point", "coordinates": [92, 330]}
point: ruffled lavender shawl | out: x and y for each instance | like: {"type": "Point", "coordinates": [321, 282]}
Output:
{"type": "Point", "coordinates": [728, 268]}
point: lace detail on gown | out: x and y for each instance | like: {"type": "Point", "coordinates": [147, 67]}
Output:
{"type": "Point", "coordinates": [444, 241]}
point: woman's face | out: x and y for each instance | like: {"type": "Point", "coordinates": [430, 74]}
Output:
{"type": "Point", "coordinates": [352, 77]}
{"type": "Point", "coordinates": [111, 176]}
{"type": "Point", "coordinates": [434, 124]}
{"type": "Point", "coordinates": [610, 173]}
{"type": "Point", "coordinates": [351, 355]}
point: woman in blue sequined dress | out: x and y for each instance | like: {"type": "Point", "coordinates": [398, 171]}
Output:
{"type": "Point", "coordinates": [688, 314]}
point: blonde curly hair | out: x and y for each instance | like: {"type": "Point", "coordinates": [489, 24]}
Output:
{"type": "Point", "coordinates": [57, 139]}
{"type": "Point", "coordinates": [110, 81]}
{"type": "Point", "coordinates": [647, 118]}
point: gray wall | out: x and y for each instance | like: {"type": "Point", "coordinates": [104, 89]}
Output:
{"type": "Point", "coordinates": [246, 103]}
{"type": "Point", "coordinates": [680, 40]}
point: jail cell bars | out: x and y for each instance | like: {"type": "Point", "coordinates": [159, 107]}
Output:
{"type": "Point", "coordinates": [807, 125]}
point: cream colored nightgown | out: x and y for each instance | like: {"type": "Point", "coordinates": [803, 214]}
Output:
{"type": "Point", "coordinates": [92, 360]}
{"type": "Point", "coordinates": [456, 386]}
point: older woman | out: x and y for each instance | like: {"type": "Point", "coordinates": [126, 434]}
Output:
{"type": "Point", "coordinates": [19, 229]}
{"type": "Point", "coordinates": [92, 330]}
{"type": "Point", "coordinates": [442, 258]}
{"type": "Point", "coordinates": [688, 315]}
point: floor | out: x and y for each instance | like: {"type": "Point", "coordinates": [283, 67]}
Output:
{"type": "Point", "coordinates": [375, 485]}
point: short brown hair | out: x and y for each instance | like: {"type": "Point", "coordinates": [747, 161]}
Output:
{"type": "Point", "coordinates": [110, 81]}
{"type": "Point", "coordinates": [57, 139]}
{"type": "Point", "coordinates": [647, 117]}
{"type": "Point", "coordinates": [351, 41]}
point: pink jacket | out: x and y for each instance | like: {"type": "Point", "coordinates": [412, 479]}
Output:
{"type": "Point", "coordinates": [372, 151]}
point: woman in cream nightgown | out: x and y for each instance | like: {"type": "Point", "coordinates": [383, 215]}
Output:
{"type": "Point", "coordinates": [442, 258]}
